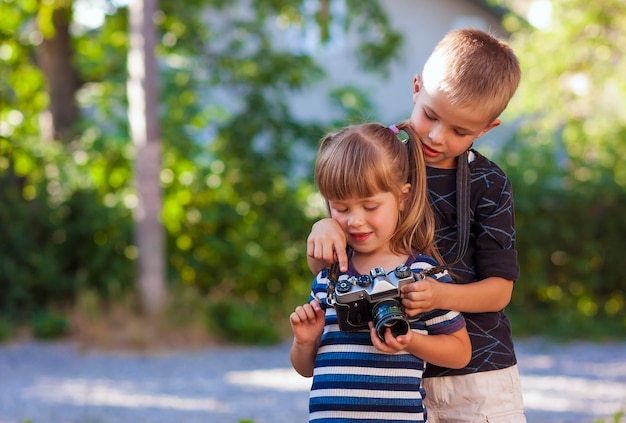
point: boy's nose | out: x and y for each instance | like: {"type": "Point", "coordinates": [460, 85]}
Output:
{"type": "Point", "coordinates": [436, 134]}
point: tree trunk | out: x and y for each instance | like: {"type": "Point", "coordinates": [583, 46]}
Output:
{"type": "Point", "coordinates": [143, 119]}
{"type": "Point", "coordinates": [54, 57]}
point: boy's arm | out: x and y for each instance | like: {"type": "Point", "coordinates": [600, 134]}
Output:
{"type": "Point", "coordinates": [489, 294]}
{"type": "Point", "coordinates": [325, 245]}
{"type": "Point", "coordinates": [316, 266]}
{"type": "Point", "coordinates": [494, 255]}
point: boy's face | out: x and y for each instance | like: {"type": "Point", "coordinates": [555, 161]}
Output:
{"type": "Point", "coordinates": [445, 130]}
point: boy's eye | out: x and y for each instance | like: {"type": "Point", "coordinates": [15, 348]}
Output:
{"type": "Point", "coordinates": [429, 117]}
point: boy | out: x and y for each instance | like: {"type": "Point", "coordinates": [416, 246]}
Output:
{"type": "Point", "coordinates": [465, 85]}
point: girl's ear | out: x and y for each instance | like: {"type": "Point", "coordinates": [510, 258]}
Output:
{"type": "Point", "coordinates": [404, 194]}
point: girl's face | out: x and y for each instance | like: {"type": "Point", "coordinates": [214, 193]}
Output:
{"type": "Point", "coordinates": [369, 223]}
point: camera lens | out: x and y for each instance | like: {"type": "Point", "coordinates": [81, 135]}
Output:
{"type": "Point", "coordinates": [389, 314]}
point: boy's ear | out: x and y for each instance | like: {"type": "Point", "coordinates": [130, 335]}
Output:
{"type": "Point", "coordinates": [417, 82]}
{"type": "Point", "coordinates": [489, 127]}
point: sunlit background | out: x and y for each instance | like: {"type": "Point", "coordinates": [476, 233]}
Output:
{"type": "Point", "coordinates": [243, 93]}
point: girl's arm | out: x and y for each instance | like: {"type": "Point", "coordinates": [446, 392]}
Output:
{"type": "Point", "coordinates": [303, 357]}
{"type": "Point", "coordinates": [452, 350]}
{"type": "Point", "coordinates": [307, 323]}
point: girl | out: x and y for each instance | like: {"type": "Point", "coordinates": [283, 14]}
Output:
{"type": "Point", "coordinates": [374, 185]}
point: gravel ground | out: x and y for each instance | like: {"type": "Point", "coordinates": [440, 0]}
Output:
{"type": "Point", "coordinates": [55, 383]}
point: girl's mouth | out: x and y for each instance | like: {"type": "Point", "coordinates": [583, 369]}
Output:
{"type": "Point", "coordinates": [360, 237]}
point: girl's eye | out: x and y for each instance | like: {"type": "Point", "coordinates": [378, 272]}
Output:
{"type": "Point", "coordinates": [429, 117]}
{"type": "Point", "coordinates": [370, 208]}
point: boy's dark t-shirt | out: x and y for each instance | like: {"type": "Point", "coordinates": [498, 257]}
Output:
{"type": "Point", "coordinates": [491, 252]}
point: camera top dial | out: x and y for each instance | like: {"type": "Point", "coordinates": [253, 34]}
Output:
{"type": "Point", "coordinates": [402, 271]}
{"type": "Point", "coordinates": [364, 280]}
{"type": "Point", "coordinates": [344, 285]}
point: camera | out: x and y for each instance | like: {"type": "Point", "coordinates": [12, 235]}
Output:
{"type": "Point", "coordinates": [375, 297]}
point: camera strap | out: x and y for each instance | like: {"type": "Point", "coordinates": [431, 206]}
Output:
{"type": "Point", "coordinates": [463, 188]}
{"type": "Point", "coordinates": [333, 277]}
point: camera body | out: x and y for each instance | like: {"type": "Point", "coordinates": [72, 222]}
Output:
{"type": "Point", "coordinates": [374, 297]}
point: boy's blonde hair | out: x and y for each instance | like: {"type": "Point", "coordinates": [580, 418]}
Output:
{"type": "Point", "coordinates": [473, 68]}
{"type": "Point", "coordinates": [361, 161]}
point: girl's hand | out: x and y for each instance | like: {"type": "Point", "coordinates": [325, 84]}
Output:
{"type": "Point", "coordinates": [307, 322]}
{"type": "Point", "coordinates": [326, 244]}
{"type": "Point", "coordinates": [392, 344]}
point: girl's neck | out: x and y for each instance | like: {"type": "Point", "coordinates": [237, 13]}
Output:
{"type": "Point", "coordinates": [363, 262]}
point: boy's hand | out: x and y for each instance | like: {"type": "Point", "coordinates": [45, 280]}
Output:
{"type": "Point", "coordinates": [326, 244]}
{"type": "Point", "coordinates": [420, 296]}
{"type": "Point", "coordinates": [307, 322]}
{"type": "Point", "coordinates": [391, 345]}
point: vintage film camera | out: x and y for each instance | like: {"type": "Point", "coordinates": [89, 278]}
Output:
{"type": "Point", "coordinates": [374, 297]}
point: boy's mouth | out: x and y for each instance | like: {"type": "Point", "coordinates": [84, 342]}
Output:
{"type": "Point", "coordinates": [429, 151]}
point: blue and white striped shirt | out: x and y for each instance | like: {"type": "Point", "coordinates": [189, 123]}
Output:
{"type": "Point", "coordinates": [353, 381]}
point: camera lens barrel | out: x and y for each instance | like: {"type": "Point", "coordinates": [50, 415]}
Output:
{"type": "Point", "coordinates": [389, 314]}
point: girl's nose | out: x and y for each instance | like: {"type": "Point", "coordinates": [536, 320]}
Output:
{"type": "Point", "coordinates": [355, 219]}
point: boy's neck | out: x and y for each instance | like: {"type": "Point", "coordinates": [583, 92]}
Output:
{"type": "Point", "coordinates": [453, 165]}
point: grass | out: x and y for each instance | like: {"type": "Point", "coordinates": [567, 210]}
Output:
{"type": "Point", "coordinates": [616, 418]}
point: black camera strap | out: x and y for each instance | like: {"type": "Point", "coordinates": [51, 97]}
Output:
{"type": "Point", "coordinates": [463, 189]}
{"type": "Point", "coordinates": [333, 277]}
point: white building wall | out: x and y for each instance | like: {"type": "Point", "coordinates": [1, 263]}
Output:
{"type": "Point", "coordinates": [423, 23]}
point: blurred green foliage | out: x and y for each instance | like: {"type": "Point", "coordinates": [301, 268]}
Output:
{"type": "Point", "coordinates": [48, 325]}
{"type": "Point", "coordinates": [234, 164]}
{"type": "Point", "coordinates": [238, 199]}
{"type": "Point", "coordinates": [565, 163]}
{"type": "Point", "coordinates": [570, 244]}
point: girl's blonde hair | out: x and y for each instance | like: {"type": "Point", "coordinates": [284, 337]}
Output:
{"type": "Point", "coordinates": [360, 161]}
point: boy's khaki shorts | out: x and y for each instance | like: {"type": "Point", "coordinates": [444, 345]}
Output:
{"type": "Point", "coordinates": [493, 396]}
